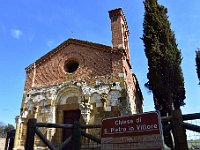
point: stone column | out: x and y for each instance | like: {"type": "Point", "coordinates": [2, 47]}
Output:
{"type": "Point", "coordinates": [51, 119]}
{"type": "Point", "coordinates": [17, 133]}
{"type": "Point", "coordinates": [36, 108]}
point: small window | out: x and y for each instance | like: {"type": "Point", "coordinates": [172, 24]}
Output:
{"type": "Point", "coordinates": [71, 66]}
{"type": "Point", "coordinates": [114, 18]}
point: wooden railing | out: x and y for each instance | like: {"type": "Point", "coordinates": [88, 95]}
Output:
{"type": "Point", "coordinates": [78, 131]}
{"type": "Point", "coordinates": [33, 128]}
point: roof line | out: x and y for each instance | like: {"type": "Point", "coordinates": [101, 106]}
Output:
{"type": "Point", "coordinates": [66, 43]}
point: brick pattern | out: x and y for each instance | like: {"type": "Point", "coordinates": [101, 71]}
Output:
{"type": "Point", "coordinates": [128, 72]}
{"type": "Point", "coordinates": [117, 63]}
{"type": "Point", "coordinates": [120, 31]}
{"type": "Point", "coordinates": [119, 27]}
{"type": "Point", "coordinates": [117, 32]}
{"type": "Point", "coordinates": [92, 62]}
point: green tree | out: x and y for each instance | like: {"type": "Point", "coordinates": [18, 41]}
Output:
{"type": "Point", "coordinates": [8, 128]}
{"type": "Point", "coordinates": [198, 63]}
{"type": "Point", "coordinates": [1, 130]}
{"type": "Point", "coordinates": [4, 129]}
{"type": "Point", "coordinates": [165, 78]}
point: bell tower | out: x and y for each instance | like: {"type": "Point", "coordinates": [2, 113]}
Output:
{"type": "Point", "coordinates": [120, 31]}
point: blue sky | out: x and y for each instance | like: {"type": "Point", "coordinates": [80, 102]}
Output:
{"type": "Point", "coordinates": [31, 28]}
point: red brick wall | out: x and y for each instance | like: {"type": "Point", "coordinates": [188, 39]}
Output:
{"type": "Point", "coordinates": [92, 62]}
{"type": "Point", "coordinates": [128, 72]}
{"type": "Point", "coordinates": [117, 63]}
{"type": "Point", "coordinates": [117, 32]}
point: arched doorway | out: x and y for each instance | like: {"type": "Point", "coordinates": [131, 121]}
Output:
{"type": "Point", "coordinates": [67, 111]}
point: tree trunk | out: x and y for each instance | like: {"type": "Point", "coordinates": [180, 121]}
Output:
{"type": "Point", "coordinates": [179, 132]}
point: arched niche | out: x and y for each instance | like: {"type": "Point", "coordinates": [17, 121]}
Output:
{"type": "Point", "coordinates": [69, 95]}
{"type": "Point", "coordinates": [113, 98]}
{"type": "Point", "coordinates": [96, 99]}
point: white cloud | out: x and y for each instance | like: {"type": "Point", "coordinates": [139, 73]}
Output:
{"type": "Point", "coordinates": [50, 43]}
{"type": "Point", "coordinates": [16, 33]}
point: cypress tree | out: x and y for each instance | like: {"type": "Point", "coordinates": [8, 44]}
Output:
{"type": "Point", "coordinates": [165, 78]}
{"type": "Point", "coordinates": [198, 63]}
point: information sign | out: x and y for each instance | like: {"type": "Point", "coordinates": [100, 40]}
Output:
{"type": "Point", "coordinates": [140, 131]}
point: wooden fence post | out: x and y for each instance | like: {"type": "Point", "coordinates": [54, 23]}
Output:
{"type": "Point", "coordinates": [77, 136]}
{"type": "Point", "coordinates": [178, 131]}
{"type": "Point", "coordinates": [31, 127]}
{"type": "Point", "coordinates": [6, 143]}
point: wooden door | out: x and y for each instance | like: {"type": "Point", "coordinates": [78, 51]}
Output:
{"type": "Point", "coordinates": [69, 118]}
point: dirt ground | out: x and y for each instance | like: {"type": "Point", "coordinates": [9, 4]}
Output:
{"type": "Point", "coordinates": [2, 143]}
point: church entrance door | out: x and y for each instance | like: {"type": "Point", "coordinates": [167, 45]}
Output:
{"type": "Point", "coordinates": [69, 118]}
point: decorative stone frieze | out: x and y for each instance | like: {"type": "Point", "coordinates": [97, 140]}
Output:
{"type": "Point", "coordinates": [105, 95]}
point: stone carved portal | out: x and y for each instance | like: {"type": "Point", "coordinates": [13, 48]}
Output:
{"type": "Point", "coordinates": [67, 99]}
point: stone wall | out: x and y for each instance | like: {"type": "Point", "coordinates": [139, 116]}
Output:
{"type": "Point", "coordinates": [98, 100]}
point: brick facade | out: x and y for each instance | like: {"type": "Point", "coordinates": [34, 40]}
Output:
{"type": "Point", "coordinates": [92, 78]}
{"type": "Point", "coordinates": [94, 60]}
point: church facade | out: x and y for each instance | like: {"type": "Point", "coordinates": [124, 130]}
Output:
{"type": "Point", "coordinates": [80, 81]}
